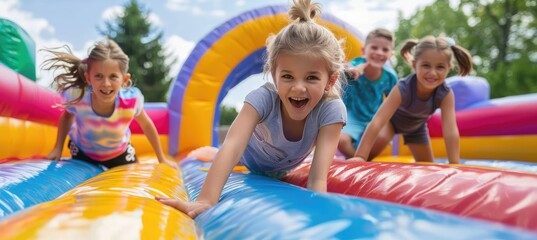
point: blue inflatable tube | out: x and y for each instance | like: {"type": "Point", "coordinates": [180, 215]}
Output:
{"type": "Point", "coordinates": [256, 207]}
{"type": "Point", "coordinates": [27, 183]}
{"type": "Point", "coordinates": [499, 164]}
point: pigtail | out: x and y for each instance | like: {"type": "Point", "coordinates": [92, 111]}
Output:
{"type": "Point", "coordinates": [464, 59]}
{"type": "Point", "coordinates": [72, 71]}
{"type": "Point", "coordinates": [406, 51]}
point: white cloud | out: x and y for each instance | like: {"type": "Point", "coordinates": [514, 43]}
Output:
{"type": "Point", "coordinates": [218, 13]}
{"type": "Point", "coordinates": [114, 12]}
{"type": "Point", "coordinates": [367, 15]}
{"type": "Point", "coordinates": [363, 15]}
{"type": "Point", "coordinates": [194, 8]}
{"type": "Point", "coordinates": [240, 3]}
{"type": "Point", "coordinates": [154, 19]}
{"type": "Point", "coordinates": [35, 27]}
{"type": "Point", "coordinates": [177, 5]}
{"type": "Point", "coordinates": [197, 11]}
{"type": "Point", "coordinates": [179, 49]}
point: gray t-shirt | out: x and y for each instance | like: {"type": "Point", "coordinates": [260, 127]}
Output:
{"type": "Point", "coordinates": [268, 150]}
{"type": "Point", "coordinates": [413, 112]}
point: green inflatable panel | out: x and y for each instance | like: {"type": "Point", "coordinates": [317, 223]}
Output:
{"type": "Point", "coordinates": [17, 49]}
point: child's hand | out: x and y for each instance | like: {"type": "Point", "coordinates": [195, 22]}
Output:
{"type": "Point", "coordinates": [170, 163]}
{"type": "Point", "coordinates": [356, 72]}
{"type": "Point", "coordinates": [55, 155]}
{"type": "Point", "coordinates": [454, 161]}
{"type": "Point", "coordinates": [356, 159]}
{"type": "Point", "coordinates": [192, 209]}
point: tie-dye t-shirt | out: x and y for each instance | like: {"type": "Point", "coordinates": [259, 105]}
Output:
{"type": "Point", "coordinates": [103, 137]}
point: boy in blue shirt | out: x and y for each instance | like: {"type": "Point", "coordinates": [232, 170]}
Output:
{"type": "Point", "coordinates": [369, 81]}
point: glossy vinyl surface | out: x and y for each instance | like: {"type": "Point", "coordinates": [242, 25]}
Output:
{"type": "Point", "coordinates": [256, 207]}
{"type": "Point", "coordinates": [496, 195]}
{"type": "Point", "coordinates": [26, 183]}
{"type": "Point", "coordinates": [117, 204]}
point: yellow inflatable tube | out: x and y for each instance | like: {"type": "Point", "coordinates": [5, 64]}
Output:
{"type": "Point", "coordinates": [38, 140]}
{"type": "Point", "coordinates": [117, 204]}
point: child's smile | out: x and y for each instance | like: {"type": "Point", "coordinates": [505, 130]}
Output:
{"type": "Point", "coordinates": [378, 51]}
{"type": "Point", "coordinates": [106, 79]}
{"type": "Point", "coordinates": [431, 69]}
{"type": "Point", "coordinates": [301, 82]}
{"type": "Point", "coordinates": [298, 102]}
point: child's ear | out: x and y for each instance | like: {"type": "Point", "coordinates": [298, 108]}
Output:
{"type": "Point", "coordinates": [86, 77]}
{"type": "Point", "coordinates": [390, 54]}
{"type": "Point", "coordinates": [126, 78]}
{"type": "Point", "coordinates": [333, 78]}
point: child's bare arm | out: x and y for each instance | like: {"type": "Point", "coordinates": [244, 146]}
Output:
{"type": "Point", "coordinates": [381, 118]}
{"type": "Point", "coordinates": [151, 133]}
{"type": "Point", "coordinates": [64, 124]}
{"type": "Point", "coordinates": [450, 129]}
{"type": "Point", "coordinates": [357, 71]}
{"type": "Point", "coordinates": [325, 150]}
{"type": "Point", "coordinates": [229, 154]}
{"type": "Point", "coordinates": [227, 157]}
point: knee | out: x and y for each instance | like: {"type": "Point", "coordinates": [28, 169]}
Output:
{"type": "Point", "coordinates": [344, 140]}
{"type": "Point", "coordinates": [385, 140]}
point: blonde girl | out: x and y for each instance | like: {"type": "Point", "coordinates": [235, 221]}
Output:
{"type": "Point", "coordinates": [280, 123]}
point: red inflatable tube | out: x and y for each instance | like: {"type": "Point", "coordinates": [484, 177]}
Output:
{"type": "Point", "coordinates": [160, 118]}
{"type": "Point", "coordinates": [516, 119]}
{"type": "Point", "coordinates": [501, 196]}
{"type": "Point", "coordinates": [24, 99]}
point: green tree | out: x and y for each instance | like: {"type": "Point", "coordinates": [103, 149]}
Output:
{"type": "Point", "coordinates": [435, 19]}
{"type": "Point", "coordinates": [142, 43]}
{"type": "Point", "coordinates": [227, 115]}
{"type": "Point", "coordinates": [504, 39]}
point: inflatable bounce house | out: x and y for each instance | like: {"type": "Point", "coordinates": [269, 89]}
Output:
{"type": "Point", "coordinates": [491, 195]}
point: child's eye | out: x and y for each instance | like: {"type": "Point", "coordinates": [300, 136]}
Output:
{"type": "Point", "coordinates": [287, 76]}
{"type": "Point", "coordinates": [312, 78]}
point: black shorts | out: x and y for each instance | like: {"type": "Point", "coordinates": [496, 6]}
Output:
{"type": "Point", "coordinates": [127, 157]}
{"type": "Point", "coordinates": [419, 135]}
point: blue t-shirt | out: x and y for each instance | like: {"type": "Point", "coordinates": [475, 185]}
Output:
{"type": "Point", "coordinates": [363, 97]}
{"type": "Point", "coordinates": [268, 150]}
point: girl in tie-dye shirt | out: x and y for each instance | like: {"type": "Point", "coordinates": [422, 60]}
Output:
{"type": "Point", "coordinates": [100, 105]}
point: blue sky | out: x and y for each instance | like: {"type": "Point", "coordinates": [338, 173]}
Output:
{"type": "Point", "coordinates": [53, 23]}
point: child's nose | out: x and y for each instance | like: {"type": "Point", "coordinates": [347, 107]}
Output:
{"type": "Point", "coordinates": [300, 86]}
{"type": "Point", "coordinates": [107, 82]}
{"type": "Point", "coordinates": [379, 51]}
